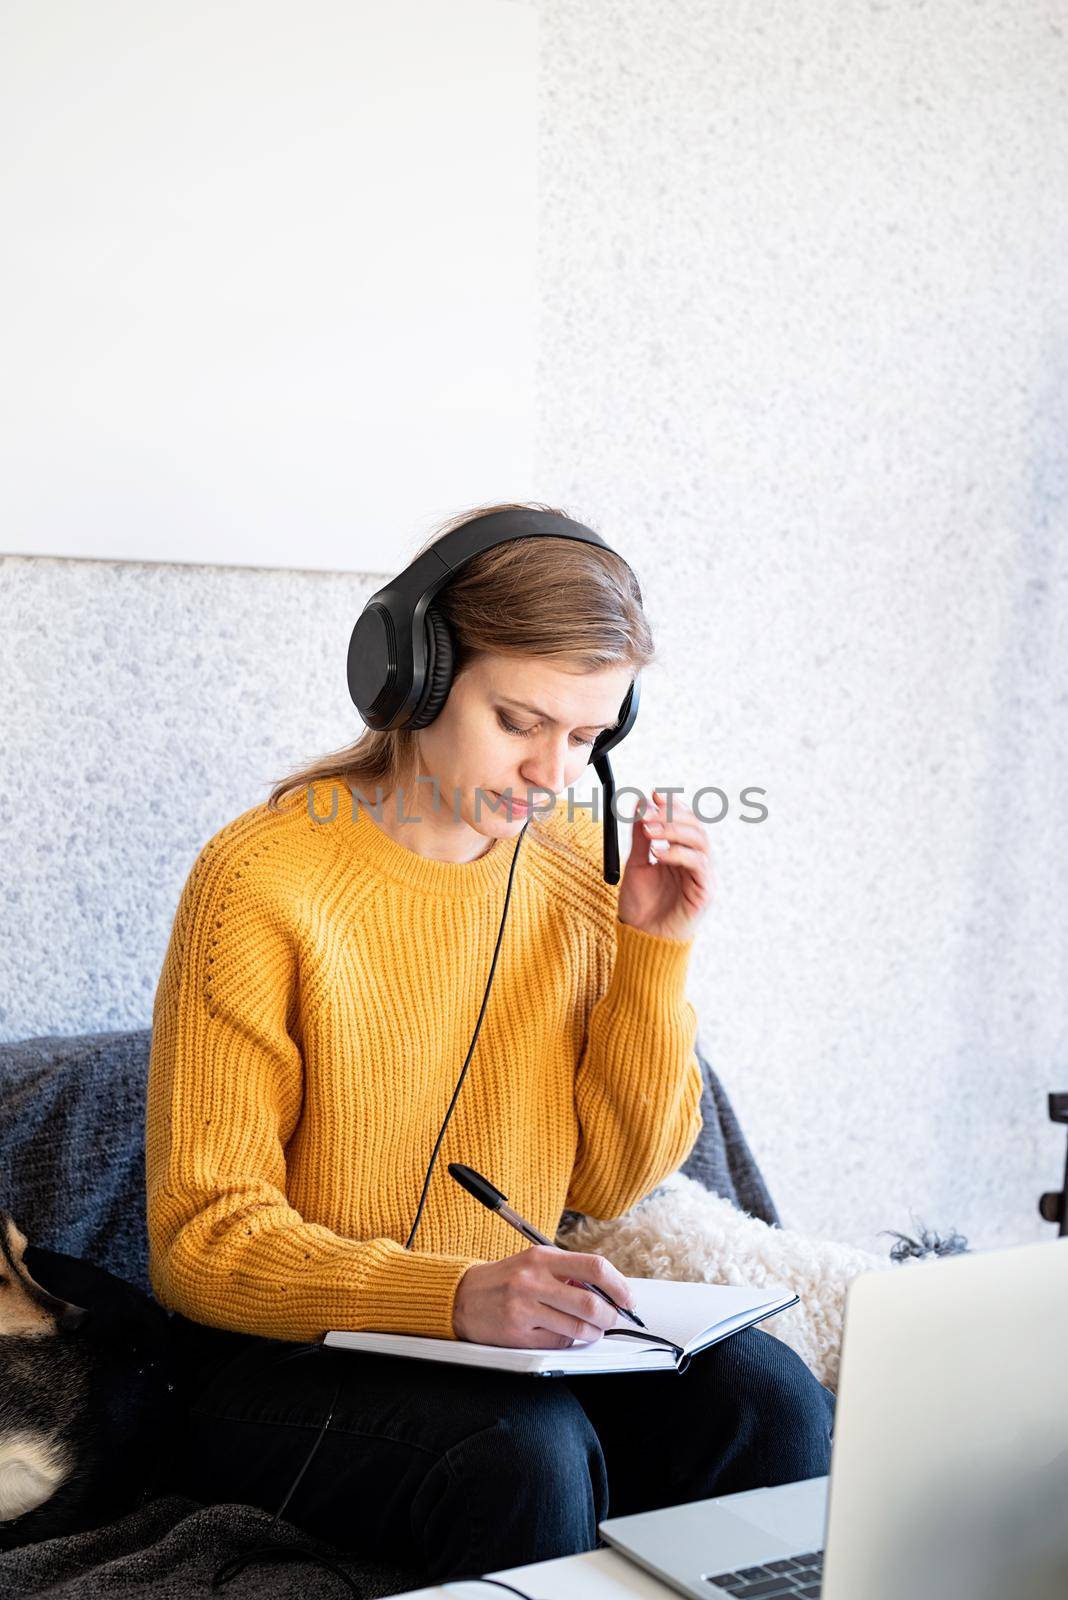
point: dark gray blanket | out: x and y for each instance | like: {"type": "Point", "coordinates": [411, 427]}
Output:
{"type": "Point", "coordinates": [170, 1549]}
{"type": "Point", "coordinates": [72, 1176]}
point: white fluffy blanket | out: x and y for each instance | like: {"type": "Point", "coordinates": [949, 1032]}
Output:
{"type": "Point", "coordinates": [683, 1231]}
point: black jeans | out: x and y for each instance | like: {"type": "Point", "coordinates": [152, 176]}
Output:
{"type": "Point", "coordinates": [461, 1470]}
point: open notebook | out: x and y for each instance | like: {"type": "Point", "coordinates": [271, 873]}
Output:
{"type": "Point", "coordinates": [680, 1319]}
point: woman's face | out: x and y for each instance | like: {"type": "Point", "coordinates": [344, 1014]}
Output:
{"type": "Point", "coordinates": [488, 739]}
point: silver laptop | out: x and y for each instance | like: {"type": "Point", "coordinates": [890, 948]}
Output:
{"type": "Point", "coordinates": [949, 1464]}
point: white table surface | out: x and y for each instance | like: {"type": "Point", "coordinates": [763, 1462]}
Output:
{"type": "Point", "coordinates": [594, 1575]}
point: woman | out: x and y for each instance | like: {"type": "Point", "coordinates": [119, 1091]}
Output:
{"type": "Point", "coordinates": [318, 994]}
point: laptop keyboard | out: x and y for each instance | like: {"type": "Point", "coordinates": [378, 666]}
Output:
{"type": "Point", "coordinates": [799, 1576]}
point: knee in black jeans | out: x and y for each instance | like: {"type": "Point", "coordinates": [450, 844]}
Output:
{"type": "Point", "coordinates": [533, 1484]}
{"type": "Point", "coordinates": [784, 1415]}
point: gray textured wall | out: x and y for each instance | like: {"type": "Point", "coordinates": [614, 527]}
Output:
{"type": "Point", "coordinates": [805, 360]}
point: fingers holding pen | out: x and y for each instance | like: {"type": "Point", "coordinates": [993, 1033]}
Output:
{"type": "Point", "coordinates": [532, 1299]}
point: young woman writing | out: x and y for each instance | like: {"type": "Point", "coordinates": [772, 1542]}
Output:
{"type": "Point", "coordinates": [328, 958]}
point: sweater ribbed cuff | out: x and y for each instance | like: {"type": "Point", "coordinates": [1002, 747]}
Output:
{"type": "Point", "coordinates": [649, 969]}
{"type": "Point", "coordinates": [406, 1293]}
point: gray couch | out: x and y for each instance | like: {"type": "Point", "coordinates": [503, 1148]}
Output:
{"type": "Point", "coordinates": [72, 1177]}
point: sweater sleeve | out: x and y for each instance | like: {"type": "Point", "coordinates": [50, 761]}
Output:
{"type": "Point", "coordinates": [638, 1085]}
{"type": "Point", "coordinates": [225, 1091]}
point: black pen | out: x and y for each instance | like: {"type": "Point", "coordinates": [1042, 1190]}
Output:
{"type": "Point", "coordinates": [483, 1190]}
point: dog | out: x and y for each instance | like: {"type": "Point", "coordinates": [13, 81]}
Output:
{"type": "Point", "coordinates": [86, 1392]}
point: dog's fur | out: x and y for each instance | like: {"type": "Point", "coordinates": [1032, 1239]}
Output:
{"type": "Point", "coordinates": [683, 1231]}
{"type": "Point", "coordinates": [83, 1390]}
{"type": "Point", "coordinates": [43, 1380]}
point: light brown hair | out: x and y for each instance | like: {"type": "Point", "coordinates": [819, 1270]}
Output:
{"type": "Point", "coordinates": [550, 597]}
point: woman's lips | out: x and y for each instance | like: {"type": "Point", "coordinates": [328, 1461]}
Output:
{"type": "Point", "coordinates": [518, 807]}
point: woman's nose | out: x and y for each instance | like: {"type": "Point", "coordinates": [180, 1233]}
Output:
{"type": "Point", "coordinates": [549, 771]}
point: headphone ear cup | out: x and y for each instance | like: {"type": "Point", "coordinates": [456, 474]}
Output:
{"type": "Point", "coordinates": [440, 657]}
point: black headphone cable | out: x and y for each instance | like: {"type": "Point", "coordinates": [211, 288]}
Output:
{"type": "Point", "coordinates": [474, 1036]}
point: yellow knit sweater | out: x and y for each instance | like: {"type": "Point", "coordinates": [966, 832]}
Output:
{"type": "Point", "coordinates": [317, 999]}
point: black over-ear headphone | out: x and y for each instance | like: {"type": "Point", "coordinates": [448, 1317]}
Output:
{"type": "Point", "coordinates": [401, 653]}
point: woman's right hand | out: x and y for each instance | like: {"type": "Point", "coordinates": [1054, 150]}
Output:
{"type": "Point", "coordinates": [531, 1300]}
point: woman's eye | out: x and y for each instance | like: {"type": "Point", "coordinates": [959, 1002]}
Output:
{"type": "Point", "coordinates": [525, 733]}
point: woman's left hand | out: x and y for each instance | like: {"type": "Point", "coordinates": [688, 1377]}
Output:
{"type": "Point", "coordinates": [670, 895]}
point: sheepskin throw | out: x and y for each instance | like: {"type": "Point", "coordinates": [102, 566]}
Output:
{"type": "Point", "coordinates": [682, 1231]}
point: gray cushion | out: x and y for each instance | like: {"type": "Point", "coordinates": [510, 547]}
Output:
{"type": "Point", "coordinates": [721, 1159]}
{"type": "Point", "coordinates": [72, 1160]}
